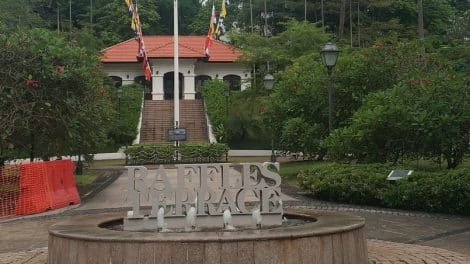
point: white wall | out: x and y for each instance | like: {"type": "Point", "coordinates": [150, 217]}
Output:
{"type": "Point", "coordinates": [127, 71]}
{"type": "Point", "coordinates": [217, 70]}
{"type": "Point", "coordinates": [190, 68]}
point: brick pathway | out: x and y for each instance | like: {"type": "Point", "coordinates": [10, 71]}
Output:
{"type": "Point", "coordinates": [380, 252]}
{"type": "Point", "coordinates": [34, 256]}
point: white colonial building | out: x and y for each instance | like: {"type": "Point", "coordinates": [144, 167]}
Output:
{"type": "Point", "coordinates": [122, 65]}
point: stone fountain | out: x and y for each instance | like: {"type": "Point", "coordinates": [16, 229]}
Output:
{"type": "Point", "coordinates": [211, 213]}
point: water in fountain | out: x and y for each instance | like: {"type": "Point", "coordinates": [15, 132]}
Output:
{"type": "Point", "coordinates": [191, 219]}
{"type": "Point", "coordinates": [161, 219]}
{"type": "Point", "coordinates": [256, 215]}
{"type": "Point", "coordinates": [228, 220]}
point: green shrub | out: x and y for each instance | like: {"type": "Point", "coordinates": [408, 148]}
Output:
{"type": "Point", "coordinates": [165, 153]}
{"type": "Point", "coordinates": [444, 191]}
{"type": "Point", "coordinates": [124, 128]}
{"type": "Point", "coordinates": [202, 152]}
{"type": "Point", "coordinates": [346, 183]}
{"type": "Point", "coordinates": [216, 105]}
{"type": "Point", "coordinates": [150, 154]}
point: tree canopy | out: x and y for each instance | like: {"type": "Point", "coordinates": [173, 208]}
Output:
{"type": "Point", "coordinates": [53, 97]}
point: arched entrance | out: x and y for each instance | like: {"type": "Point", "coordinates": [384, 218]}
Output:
{"type": "Point", "coordinates": [235, 82]}
{"type": "Point", "coordinates": [199, 82]}
{"type": "Point", "coordinates": [147, 86]}
{"type": "Point", "coordinates": [168, 85]}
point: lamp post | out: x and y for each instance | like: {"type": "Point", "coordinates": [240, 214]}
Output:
{"type": "Point", "coordinates": [268, 81]}
{"type": "Point", "coordinates": [329, 54]}
{"type": "Point", "coordinates": [226, 95]}
{"type": "Point", "coordinates": [119, 95]}
{"type": "Point", "coordinates": [268, 84]}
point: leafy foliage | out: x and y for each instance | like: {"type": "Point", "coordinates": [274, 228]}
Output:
{"type": "Point", "coordinates": [438, 191]}
{"type": "Point", "coordinates": [164, 153]}
{"type": "Point", "coordinates": [113, 22]}
{"type": "Point", "coordinates": [299, 38]}
{"type": "Point", "coordinates": [124, 126]}
{"type": "Point", "coordinates": [216, 105]}
{"type": "Point", "coordinates": [425, 115]}
{"type": "Point", "coordinates": [245, 127]}
{"type": "Point", "coordinates": [53, 98]}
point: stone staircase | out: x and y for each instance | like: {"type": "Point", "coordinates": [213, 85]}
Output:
{"type": "Point", "coordinates": [157, 118]}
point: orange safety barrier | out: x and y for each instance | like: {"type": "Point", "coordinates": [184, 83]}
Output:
{"type": "Point", "coordinates": [62, 184]}
{"type": "Point", "coordinates": [9, 189]}
{"type": "Point", "coordinates": [34, 191]}
{"type": "Point", "coordinates": [43, 186]}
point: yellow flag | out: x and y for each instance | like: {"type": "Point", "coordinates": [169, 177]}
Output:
{"type": "Point", "coordinates": [223, 11]}
{"type": "Point", "coordinates": [133, 22]}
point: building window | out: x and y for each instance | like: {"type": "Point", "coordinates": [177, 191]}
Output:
{"type": "Point", "coordinates": [147, 86]}
{"type": "Point", "coordinates": [199, 82]}
{"type": "Point", "coordinates": [234, 81]}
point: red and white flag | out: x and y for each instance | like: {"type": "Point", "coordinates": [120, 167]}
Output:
{"type": "Point", "coordinates": [210, 33]}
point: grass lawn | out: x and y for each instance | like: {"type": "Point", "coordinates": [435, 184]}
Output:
{"type": "Point", "coordinates": [87, 178]}
{"type": "Point", "coordinates": [248, 159]}
{"type": "Point", "coordinates": [100, 164]}
{"type": "Point", "coordinates": [290, 169]}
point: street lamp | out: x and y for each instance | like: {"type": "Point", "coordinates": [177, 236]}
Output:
{"type": "Point", "coordinates": [329, 55]}
{"type": "Point", "coordinates": [268, 84]}
{"type": "Point", "coordinates": [226, 95]}
{"type": "Point", "coordinates": [119, 95]}
{"type": "Point", "coordinates": [268, 81]}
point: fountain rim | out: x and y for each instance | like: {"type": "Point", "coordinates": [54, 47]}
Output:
{"type": "Point", "coordinates": [87, 228]}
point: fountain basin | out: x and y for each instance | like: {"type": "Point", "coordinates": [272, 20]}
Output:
{"type": "Point", "coordinates": [330, 238]}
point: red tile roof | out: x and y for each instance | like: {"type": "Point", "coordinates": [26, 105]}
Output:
{"type": "Point", "coordinates": [162, 47]}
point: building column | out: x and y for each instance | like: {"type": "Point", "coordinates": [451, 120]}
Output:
{"type": "Point", "coordinates": [189, 87]}
{"type": "Point", "coordinates": [245, 84]}
{"type": "Point", "coordinates": [157, 87]}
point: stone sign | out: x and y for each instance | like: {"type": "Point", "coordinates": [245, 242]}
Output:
{"type": "Point", "coordinates": [210, 188]}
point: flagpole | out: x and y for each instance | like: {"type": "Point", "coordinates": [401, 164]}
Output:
{"type": "Point", "coordinates": [176, 65]}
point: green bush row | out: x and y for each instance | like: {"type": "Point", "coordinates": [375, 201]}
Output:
{"type": "Point", "coordinates": [186, 153]}
{"type": "Point", "coordinates": [445, 191]}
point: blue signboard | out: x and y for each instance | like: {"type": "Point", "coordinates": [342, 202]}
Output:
{"type": "Point", "coordinates": [177, 134]}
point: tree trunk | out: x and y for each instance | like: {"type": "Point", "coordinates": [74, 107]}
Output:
{"type": "Point", "coordinates": [419, 6]}
{"type": "Point", "coordinates": [342, 17]}
{"type": "Point", "coordinates": [358, 24]}
{"type": "Point", "coordinates": [31, 150]}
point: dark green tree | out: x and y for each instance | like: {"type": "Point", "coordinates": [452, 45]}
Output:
{"type": "Point", "coordinates": [425, 115]}
{"type": "Point", "coordinates": [53, 98]}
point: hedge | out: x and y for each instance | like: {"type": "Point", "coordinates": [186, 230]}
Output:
{"type": "Point", "coordinates": [444, 191]}
{"type": "Point", "coordinates": [165, 153]}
